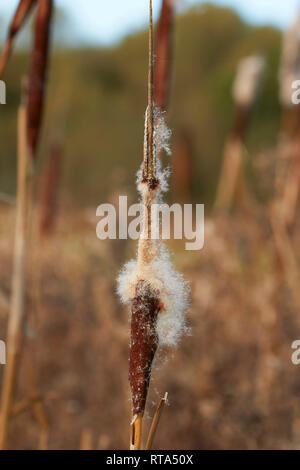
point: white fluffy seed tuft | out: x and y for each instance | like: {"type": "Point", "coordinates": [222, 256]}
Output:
{"type": "Point", "coordinates": [162, 133]}
{"type": "Point", "coordinates": [172, 289]}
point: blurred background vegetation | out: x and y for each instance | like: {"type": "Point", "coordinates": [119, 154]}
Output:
{"type": "Point", "coordinates": [244, 284]}
{"type": "Point", "coordinates": [97, 97]}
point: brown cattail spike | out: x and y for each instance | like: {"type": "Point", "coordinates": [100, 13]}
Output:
{"type": "Point", "coordinates": [163, 49]}
{"type": "Point", "coordinates": [38, 71]}
{"type": "Point", "coordinates": [22, 12]}
{"type": "Point", "coordinates": [144, 310]}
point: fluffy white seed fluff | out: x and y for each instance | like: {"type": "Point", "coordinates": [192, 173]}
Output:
{"type": "Point", "coordinates": [162, 133]}
{"type": "Point", "coordinates": [173, 293]}
{"type": "Point", "coordinates": [153, 263]}
{"type": "Point", "coordinates": [247, 80]}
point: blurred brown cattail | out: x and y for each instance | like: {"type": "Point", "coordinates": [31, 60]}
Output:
{"type": "Point", "coordinates": [244, 92]}
{"type": "Point", "coordinates": [164, 43]}
{"type": "Point", "coordinates": [49, 190]}
{"type": "Point", "coordinates": [287, 178]}
{"type": "Point", "coordinates": [38, 73]}
{"type": "Point", "coordinates": [183, 166]}
{"type": "Point", "coordinates": [22, 12]}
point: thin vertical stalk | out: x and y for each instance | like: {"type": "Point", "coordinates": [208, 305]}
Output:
{"type": "Point", "coordinates": [136, 432]}
{"type": "Point", "coordinates": [86, 439]}
{"type": "Point", "coordinates": [155, 421]}
{"type": "Point", "coordinates": [16, 318]}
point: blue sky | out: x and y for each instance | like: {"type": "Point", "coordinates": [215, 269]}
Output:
{"type": "Point", "coordinates": [107, 21]}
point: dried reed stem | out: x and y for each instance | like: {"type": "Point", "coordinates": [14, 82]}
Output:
{"type": "Point", "coordinates": [17, 314]}
{"type": "Point", "coordinates": [86, 439]}
{"type": "Point", "coordinates": [136, 432]}
{"type": "Point", "coordinates": [155, 421]}
{"type": "Point", "coordinates": [22, 12]}
{"type": "Point", "coordinates": [232, 171]}
{"type": "Point", "coordinates": [232, 178]}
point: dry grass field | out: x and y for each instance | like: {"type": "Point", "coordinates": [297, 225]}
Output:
{"type": "Point", "coordinates": [231, 383]}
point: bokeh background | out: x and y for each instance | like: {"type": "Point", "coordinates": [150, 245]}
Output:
{"type": "Point", "coordinates": [231, 383]}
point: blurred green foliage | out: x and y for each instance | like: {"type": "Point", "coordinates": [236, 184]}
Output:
{"type": "Point", "coordinates": [97, 97]}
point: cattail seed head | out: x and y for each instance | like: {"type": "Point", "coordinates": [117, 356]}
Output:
{"type": "Point", "coordinates": [158, 296]}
